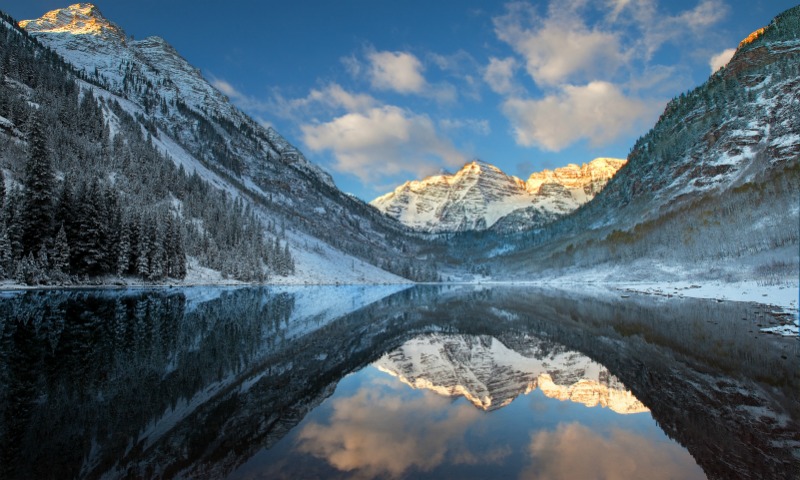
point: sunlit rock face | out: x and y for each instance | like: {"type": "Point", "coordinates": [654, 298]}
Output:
{"type": "Point", "coordinates": [479, 195]}
{"type": "Point", "coordinates": [78, 19]}
{"type": "Point", "coordinates": [490, 375]}
{"type": "Point", "coordinates": [606, 392]}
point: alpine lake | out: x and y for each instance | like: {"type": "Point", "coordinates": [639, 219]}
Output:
{"type": "Point", "coordinates": [436, 381]}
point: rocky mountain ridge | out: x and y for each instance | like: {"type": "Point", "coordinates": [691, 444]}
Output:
{"type": "Point", "coordinates": [480, 195]}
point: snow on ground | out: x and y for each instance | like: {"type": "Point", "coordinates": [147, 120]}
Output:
{"type": "Point", "coordinates": [199, 275]}
{"type": "Point", "coordinates": [318, 263]}
{"type": "Point", "coordinates": [781, 299]}
{"type": "Point", "coordinates": [790, 330]}
{"type": "Point", "coordinates": [782, 296]}
{"type": "Point", "coordinates": [654, 278]}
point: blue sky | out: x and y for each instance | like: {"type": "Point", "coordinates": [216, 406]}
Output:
{"type": "Point", "coordinates": [379, 92]}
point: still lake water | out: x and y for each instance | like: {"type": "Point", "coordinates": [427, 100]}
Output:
{"type": "Point", "coordinates": [392, 382]}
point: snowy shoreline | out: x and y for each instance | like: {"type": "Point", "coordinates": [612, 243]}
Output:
{"type": "Point", "coordinates": [783, 297]}
{"type": "Point", "coordinates": [782, 300]}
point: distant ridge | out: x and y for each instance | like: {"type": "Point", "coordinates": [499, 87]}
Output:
{"type": "Point", "coordinates": [479, 195]}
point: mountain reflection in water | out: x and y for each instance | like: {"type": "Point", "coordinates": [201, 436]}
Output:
{"type": "Point", "coordinates": [290, 382]}
{"type": "Point", "coordinates": [491, 375]}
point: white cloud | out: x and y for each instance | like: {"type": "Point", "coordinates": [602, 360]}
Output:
{"type": "Point", "coordinates": [225, 87]}
{"type": "Point", "coordinates": [458, 63]}
{"type": "Point", "coordinates": [381, 142]}
{"type": "Point", "coordinates": [598, 112]}
{"type": "Point", "coordinates": [617, 7]}
{"type": "Point", "coordinates": [401, 72]}
{"type": "Point", "coordinates": [333, 95]}
{"type": "Point", "coordinates": [325, 101]}
{"type": "Point", "coordinates": [397, 71]}
{"type": "Point", "coordinates": [480, 127]}
{"type": "Point", "coordinates": [721, 59]}
{"type": "Point", "coordinates": [703, 16]}
{"type": "Point", "coordinates": [592, 64]}
{"type": "Point", "coordinates": [499, 74]}
{"type": "Point", "coordinates": [442, 92]}
{"type": "Point", "coordinates": [578, 41]}
{"type": "Point", "coordinates": [241, 100]}
{"type": "Point", "coordinates": [353, 65]}
{"type": "Point", "coordinates": [574, 451]}
{"type": "Point", "coordinates": [658, 28]}
{"type": "Point", "coordinates": [560, 47]}
{"type": "Point", "coordinates": [460, 68]}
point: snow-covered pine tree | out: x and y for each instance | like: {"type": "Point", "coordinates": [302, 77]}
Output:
{"type": "Point", "coordinates": [123, 261]}
{"type": "Point", "coordinates": [39, 192]}
{"type": "Point", "coordinates": [143, 250]}
{"type": "Point", "coordinates": [2, 195]}
{"type": "Point", "coordinates": [66, 214]}
{"type": "Point", "coordinates": [289, 261]}
{"type": "Point", "coordinates": [15, 222]}
{"type": "Point", "coordinates": [60, 255]}
{"type": "Point", "coordinates": [89, 250]}
{"type": "Point", "coordinates": [5, 253]}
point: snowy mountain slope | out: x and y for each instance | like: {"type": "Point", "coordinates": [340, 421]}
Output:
{"type": "Point", "coordinates": [199, 129]}
{"type": "Point", "coordinates": [153, 75]}
{"type": "Point", "coordinates": [490, 375]}
{"type": "Point", "coordinates": [480, 195]}
{"type": "Point", "coordinates": [711, 190]}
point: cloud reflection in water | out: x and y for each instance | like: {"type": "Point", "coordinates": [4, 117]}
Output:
{"type": "Point", "coordinates": [385, 431]}
{"type": "Point", "coordinates": [574, 451]}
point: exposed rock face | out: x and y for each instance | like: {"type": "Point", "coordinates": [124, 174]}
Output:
{"type": "Point", "coordinates": [78, 19]}
{"type": "Point", "coordinates": [490, 375]}
{"type": "Point", "coordinates": [479, 195]}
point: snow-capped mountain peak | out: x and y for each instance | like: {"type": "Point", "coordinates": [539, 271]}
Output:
{"type": "Point", "coordinates": [480, 194]}
{"type": "Point", "coordinates": [592, 175]}
{"type": "Point", "coordinates": [77, 19]}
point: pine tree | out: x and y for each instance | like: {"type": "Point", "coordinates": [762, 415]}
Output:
{"type": "Point", "coordinates": [25, 267]}
{"type": "Point", "coordinates": [156, 260]}
{"type": "Point", "coordinates": [143, 250]}
{"type": "Point", "coordinates": [110, 227]}
{"type": "Point", "coordinates": [2, 195]}
{"type": "Point", "coordinates": [124, 250]}
{"type": "Point", "coordinates": [60, 256]}
{"type": "Point", "coordinates": [288, 259]}
{"type": "Point", "coordinates": [90, 250]}
{"type": "Point", "coordinates": [179, 261]}
{"type": "Point", "coordinates": [39, 192]}
{"type": "Point", "coordinates": [42, 266]}
{"type": "Point", "coordinates": [66, 215]}
{"type": "Point", "coordinates": [5, 253]}
{"type": "Point", "coordinates": [14, 223]}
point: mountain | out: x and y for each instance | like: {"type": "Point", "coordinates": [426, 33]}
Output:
{"type": "Point", "coordinates": [143, 169]}
{"type": "Point", "coordinates": [145, 88]}
{"type": "Point", "coordinates": [491, 375]}
{"type": "Point", "coordinates": [480, 196]}
{"type": "Point", "coordinates": [709, 192]}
